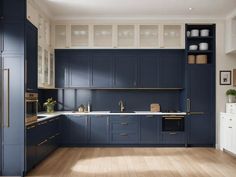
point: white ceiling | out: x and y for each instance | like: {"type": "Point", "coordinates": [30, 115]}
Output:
{"type": "Point", "coordinates": [79, 9]}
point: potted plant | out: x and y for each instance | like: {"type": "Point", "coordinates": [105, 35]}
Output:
{"type": "Point", "coordinates": [49, 104]}
{"type": "Point", "coordinates": [231, 93]}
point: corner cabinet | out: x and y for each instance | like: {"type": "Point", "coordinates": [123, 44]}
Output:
{"type": "Point", "coordinates": [121, 36]}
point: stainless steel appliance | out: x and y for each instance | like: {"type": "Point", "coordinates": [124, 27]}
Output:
{"type": "Point", "coordinates": [173, 123]}
{"type": "Point", "coordinates": [31, 107]}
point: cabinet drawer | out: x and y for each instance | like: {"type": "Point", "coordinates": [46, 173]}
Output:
{"type": "Point", "coordinates": [124, 138]}
{"type": "Point", "coordinates": [173, 137]}
{"type": "Point", "coordinates": [123, 119]}
{"type": "Point", "coordinates": [124, 126]}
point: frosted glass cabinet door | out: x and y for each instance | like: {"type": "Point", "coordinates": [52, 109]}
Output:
{"type": "Point", "coordinates": [60, 36]}
{"type": "Point", "coordinates": [149, 36]}
{"type": "Point", "coordinates": [79, 35]}
{"type": "Point", "coordinates": [126, 36]}
{"type": "Point", "coordinates": [51, 71]}
{"type": "Point", "coordinates": [40, 66]}
{"type": "Point", "coordinates": [45, 68]}
{"type": "Point", "coordinates": [102, 35]}
{"type": "Point", "coordinates": [41, 31]}
{"type": "Point", "coordinates": [172, 36]}
{"type": "Point", "coordinates": [47, 33]}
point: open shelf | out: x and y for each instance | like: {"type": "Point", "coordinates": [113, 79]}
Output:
{"type": "Point", "coordinates": [200, 37]}
{"type": "Point", "coordinates": [199, 51]}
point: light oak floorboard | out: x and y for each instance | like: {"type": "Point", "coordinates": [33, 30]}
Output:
{"type": "Point", "coordinates": [136, 162]}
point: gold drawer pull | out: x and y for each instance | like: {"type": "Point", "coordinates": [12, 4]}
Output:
{"type": "Point", "coordinates": [42, 142]}
{"type": "Point", "coordinates": [173, 133]}
{"type": "Point", "coordinates": [31, 127]}
{"type": "Point", "coordinates": [52, 137]}
{"type": "Point", "coordinates": [124, 123]}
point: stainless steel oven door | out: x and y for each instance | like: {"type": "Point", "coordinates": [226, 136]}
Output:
{"type": "Point", "coordinates": [31, 110]}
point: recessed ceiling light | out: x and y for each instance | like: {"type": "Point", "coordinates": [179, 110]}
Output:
{"type": "Point", "coordinates": [190, 8]}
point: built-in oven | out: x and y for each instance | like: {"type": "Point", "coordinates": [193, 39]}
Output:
{"type": "Point", "coordinates": [31, 107]}
{"type": "Point", "coordinates": [173, 123]}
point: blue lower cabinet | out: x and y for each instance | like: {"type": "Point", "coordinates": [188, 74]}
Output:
{"type": "Point", "coordinates": [124, 129]}
{"type": "Point", "coordinates": [31, 144]}
{"type": "Point", "coordinates": [78, 130]}
{"type": "Point", "coordinates": [99, 130]}
{"type": "Point", "coordinates": [173, 138]}
{"type": "Point", "coordinates": [150, 129]}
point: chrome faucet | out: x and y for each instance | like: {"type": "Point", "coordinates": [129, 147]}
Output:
{"type": "Point", "coordinates": [122, 106]}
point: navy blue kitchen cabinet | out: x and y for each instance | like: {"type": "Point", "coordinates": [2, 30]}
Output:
{"type": "Point", "coordinates": [16, 6]}
{"type": "Point", "coordinates": [31, 147]}
{"type": "Point", "coordinates": [150, 129]}
{"type": "Point", "coordinates": [124, 129]}
{"type": "Point", "coordinates": [125, 71]}
{"type": "Point", "coordinates": [175, 138]}
{"type": "Point", "coordinates": [78, 133]}
{"type": "Point", "coordinates": [99, 129]}
{"type": "Point", "coordinates": [102, 74]}
{"type": "Point", "coordinates": [200, 94]}
{"type": "Point", "coordinates": [148, 72]}
{"type": "Point", "coordinates": [61, 69]}
{"type": "Point", "coordinates": [31, 57]}
{"type": "Point", "coordinates": [79, 71]}
{"type": "Point", "coordinates": [170, 72]}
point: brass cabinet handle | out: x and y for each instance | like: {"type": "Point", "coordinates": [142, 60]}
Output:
{"type": "Point", "coordinates": [124, 123]}
{"type": "Point", "coordinates": [43, 142]}
{"type": "Point", "coordinates": [149, 116]}
{"type": "Point", "coordinates": [52, 137]}
{"type": "Point", "coordinates": [123, 134]}
{"type": "Point", "coordinates": [7, 78]}
{"type": "Point", "coordinates": [43, 123]}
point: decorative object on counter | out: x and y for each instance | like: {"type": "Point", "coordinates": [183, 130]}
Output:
{"type": "Point", "coordinates": [49, 104]}
{"type": "Point", "coordinates": [191, 59]}
{"type": "Point", "coordinates": [204, 32]}
{"type": "Point", "coordinates": [81, 108]}
{"type": "Point", "coordinates": [225, 77]}
{"type": "Point", "coordinates": [201, 59]}
{"type": "Point", "coordinates": [88, 107]}
{"type": "Point", "coordinates": [231, 93]}
{"type": "Point", "coordinates": [193, 47]}
{"type": "Point", "coordinates": [194, 33]}
{"type": "Point", "coordinates": [203, 46]}
{"type": "Point", "coordinates": [155, 107]}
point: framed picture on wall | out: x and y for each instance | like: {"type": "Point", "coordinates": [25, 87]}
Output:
{"type": "Point", "coordinates": [225, 77]}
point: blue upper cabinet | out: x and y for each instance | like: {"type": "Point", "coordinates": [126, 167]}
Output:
{"type": "Point", "coordinates": [31, 57]}
{"type": "Point", "coordinates": [61, 69]}
{"type": "Point", "coordinates": [79, 71]}
{"type": "Point", "coordinates": [171, 67]}
{"type": "Point", "coordinates": [102, 65]}
{"type": "Point", "coordinates": [148, 72]}
{"type": "Point", "coordinates": [125, 71]}
{"type": "Point", "coordinates": [16, 6]}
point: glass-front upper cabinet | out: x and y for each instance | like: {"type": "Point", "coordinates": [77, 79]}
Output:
{"type": "Point", "coordinates": [51, 70]}
{"type": "Point", "coordinates": [40, 66]}
{"type": "Point", "coordinates": [47, 33]}
{"type": "Point", "coordinates": [41, 31]}
{"type": "Point", "coordinates": [126, 36]}
{"type": "Point", "coordinates": [46, 68]}
{"type": "Point", "coordinates": [79, 35]}
{"type": "Point", "coordinates": [60, 36]}
{"type": "Point", "coordinates": [149, 36]}
{"type": "Point", "coordinates": [173, 36]}
{"type": "Point", "coordinates": [102, 36]}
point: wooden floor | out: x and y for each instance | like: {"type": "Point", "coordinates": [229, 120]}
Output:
{"type": "Point", "coordinates": [137, 162]}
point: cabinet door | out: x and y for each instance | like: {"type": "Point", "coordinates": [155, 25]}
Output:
{"type": "Point", "coordinates": [61, 69]}
{"type": "Point", "coordinates": [80, 35]}
{"type": "Point", "coordinates": [99, 129]}
{"type": "Point", "coordinates": [149, 130]}
{"type": "Point", "coordinates": [31, 57]}
{"type": "Point", "coordinates": [78, 129]}
{"type": "Point", "coordinates": [31, 146]}
{"type": "Point", "coordinates": [125, 72]}
{"type": "Point", "coordinates": [102, 36]}
{"type": "Point", "coordinates": [80, 71]}
{"type": "Point", "coordinates": [170, 70]}
{"type": "Point", "coordinates": [65, 130]}
{"type": "Point", "coordinates": [51, 70]}
{"type": "Point", "coordinates": [148, 72]}
{"type": "Point", "coordinates": [223, 126]}
{"type": "Point", "coordinates": [60, 36]}
{"type": "Point", "coordinates": [102, 71]}
{"type": "Point", "coordinates": [126, 36]}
